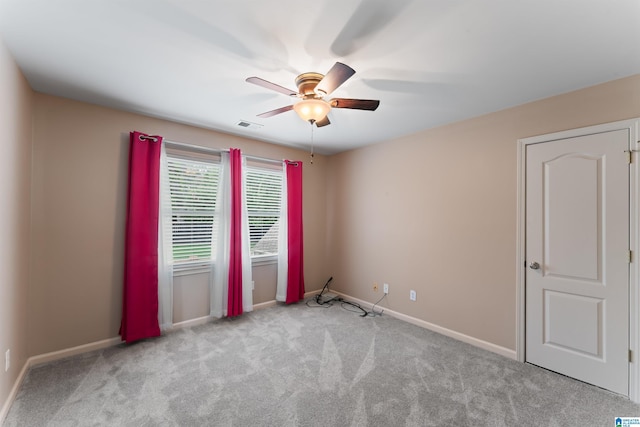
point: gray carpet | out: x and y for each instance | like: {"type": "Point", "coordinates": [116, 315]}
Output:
{"type": "Point", "coordinates": [298, 366]}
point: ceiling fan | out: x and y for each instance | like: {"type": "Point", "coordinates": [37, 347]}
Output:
{"type": "Point", "coordinates": [312, 88]}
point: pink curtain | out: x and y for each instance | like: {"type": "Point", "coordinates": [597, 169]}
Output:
{"type": "Point", "coordinates": [295, 274]}
{"type": "Point", "coordinates": [140, 288]}
{"type": "Point", "coordinates": [234, 301]}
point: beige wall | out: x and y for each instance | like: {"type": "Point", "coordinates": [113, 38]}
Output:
{"type": "Point", "coordinates": [436, 211]}
{"type": "Point", "coordinates": [191, 291]}
{"type": "Point", "coordinates": [79, 198]}
{"type": "Point", "coordinates": [15, 208]}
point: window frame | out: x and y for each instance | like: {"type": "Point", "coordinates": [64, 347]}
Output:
{"type": "Point", "coordinates": [273, 169]}
{"type": "Point", "coordinates": [184, 267]}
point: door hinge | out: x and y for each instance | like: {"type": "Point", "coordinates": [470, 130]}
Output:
{"type": "Point", "coordinates": [630, 257]}
{"type": "Point", "coordinates": [630, 356]}
{"type": "Point", "coordinates": [629, 156]}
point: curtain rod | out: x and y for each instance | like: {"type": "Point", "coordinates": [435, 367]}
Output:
{"type": "Point", "coordinates": [212, 150]}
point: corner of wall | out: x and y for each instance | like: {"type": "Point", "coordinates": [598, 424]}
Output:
{"type": "Point", "coordinates": [16, 139]}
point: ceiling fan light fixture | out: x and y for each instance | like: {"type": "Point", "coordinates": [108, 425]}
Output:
{"type": "Point", "coordinates": [312, 110]}
{"type": "Point", "coordinates": [312, 87]}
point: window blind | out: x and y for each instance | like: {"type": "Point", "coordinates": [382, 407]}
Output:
{"type": "Point", "coordinates": [263, 189]}
{"type": "Point", "coordinates": [193, 186]}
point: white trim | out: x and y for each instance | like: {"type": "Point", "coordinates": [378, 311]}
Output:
{"type": "Point", "coordinates": [13, 393]}
{"type": "Point", "coordinates": [191, 322]}
{"type": "Point", "coordinates": [267, 304]}
{"type": "Point", "coordinates": [205, 319]}
{"type": "Point", "coordinates": [50, 357]}
{"type": "Point", "coordinates": [633, 125]}
{"type": "Point", "coordinates": [634, 270]}
{"type": "Point", "coordinates": [258, 260]}
{"type": "Point", "coordinates": [273, 303]}
{"type": "Point", "coordinates": [485, 345]}
{"type": "Point", "coordinates": [73, 351]}
{"type": "Point", "coordinates": [520, 252]}
{"type": "Point", "coordinates": [190, 269]}
{"type": "Point", "coordinates": [202, 320]}
{"type": "Point", "coordinates": [312, 293]}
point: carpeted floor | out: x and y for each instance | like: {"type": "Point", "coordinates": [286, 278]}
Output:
{"type": "Point", "coordinates": [300, 366]}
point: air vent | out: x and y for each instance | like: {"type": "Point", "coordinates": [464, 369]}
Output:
{"type": "Point", "coordinates": [249, 125]}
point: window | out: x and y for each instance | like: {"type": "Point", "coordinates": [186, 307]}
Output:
{"type": "Point", "coordinates": [193, 184]}
{"type": "Point", "coordinates": [263, 187]}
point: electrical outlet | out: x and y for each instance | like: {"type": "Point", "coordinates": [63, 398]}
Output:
{"type": "Point", "coordinates": [385, 288]}
{"type": "Point", "coordinates": [412, 295]}
{"type": "Point", "coordinates": [375, 286]}
{"type": "Point", "coordinates": [7, 360]}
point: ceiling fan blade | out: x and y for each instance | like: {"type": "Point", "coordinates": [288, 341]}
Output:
{"type": "Point", "coordinates": [369, 19]}
{"type": "Point", "coordinates": [262, 82]}
{"type": "Point", "coordinates": [276, 111]}
{"type": "Point", "coordinates": [337, 75]}
{"type": "Point", "coordinates": [323, 122]}
{"type": "Point", "coordinates": [355, 104]}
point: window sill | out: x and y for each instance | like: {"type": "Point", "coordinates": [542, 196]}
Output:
{"type": "Point", "coordinates": [264, 260]}
{"type": "Point", "coordinates": [186, 270]}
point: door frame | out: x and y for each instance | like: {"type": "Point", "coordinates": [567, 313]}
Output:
{"type": "Point", "coordinates": [633, 127]}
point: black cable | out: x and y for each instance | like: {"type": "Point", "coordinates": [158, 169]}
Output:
{"type": "Point", "coordinates": [319, 303]}
{"type": "Point", "coordinates": [318, 297]}
{"type": "Point", "coordinates": [373, 312]}
{"type": "Point", "coordinates": [353, 304]}
{"type": "Point", "coordinates": [324, 288]}
{"type": "Point", "coordinates": [316, 304]}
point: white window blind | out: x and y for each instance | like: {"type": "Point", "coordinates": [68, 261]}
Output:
{"type": "Point", "coordinates": [263, 189]}
{"type": "Point", "coordinates": [193, 185]}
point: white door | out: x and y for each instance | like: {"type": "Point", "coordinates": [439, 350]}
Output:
{"type": "Point", "coordinates": [577, 258]}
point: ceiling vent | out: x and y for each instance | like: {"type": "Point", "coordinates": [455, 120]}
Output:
{"type": "Point", "coordinates": [249, 125]}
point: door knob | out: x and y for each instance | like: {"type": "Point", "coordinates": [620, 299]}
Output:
{"type": "Point", "coordinates": [534, 266]}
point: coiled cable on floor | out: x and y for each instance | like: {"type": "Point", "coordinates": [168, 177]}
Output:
{"type": "Point", "coordinates": [319, 303]}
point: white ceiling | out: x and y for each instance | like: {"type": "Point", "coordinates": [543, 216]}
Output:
{"type": "Point", "coordinates": [429, 62]}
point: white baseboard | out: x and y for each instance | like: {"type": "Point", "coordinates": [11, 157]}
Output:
{"type": "Point", "coordinates": [13, 393]}
{"type": "Point", "coordinates": [73, 351]}
{"type": "Point", "coordinates": [189, 323]}
{"type": "Point", "coordinates": [312, 293]}
{"type": "Point", "coordinates": [50, 357]}
{"type": "Point", "coordinates": [274, 302]}
{"type": "Point", "coordinates": [267, 304]}
{"type": "Point", "coordinates": [485, 345]}
{"type": "Point", "coordinates": [205, 319]}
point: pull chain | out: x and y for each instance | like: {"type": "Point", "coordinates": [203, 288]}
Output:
{"type": "Point", "coordinates": [311, 162]}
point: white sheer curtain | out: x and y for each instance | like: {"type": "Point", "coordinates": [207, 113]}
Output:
{"type": "Point", "coordinates": [219, 276]}
{"type": "Point", "coordinates": [165, 254]}
{"type": "Point", "coordinates": [283, 251]}
{"type": "Point", "coordinates": [247, 274]}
